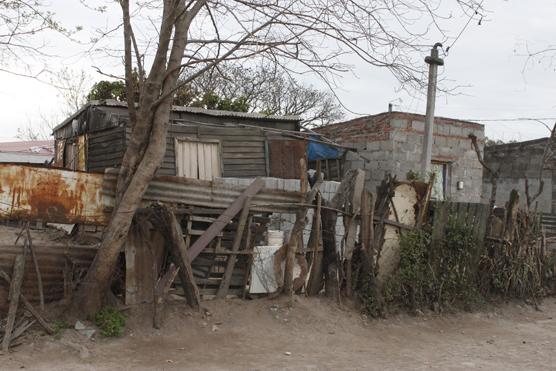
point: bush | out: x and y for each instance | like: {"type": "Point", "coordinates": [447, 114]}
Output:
{"type": "Point", "coordinates": [110, 321]}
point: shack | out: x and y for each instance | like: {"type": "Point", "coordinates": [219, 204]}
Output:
{"type": "Point", "coordinates": [392, 142]}
{"type": "Point", "coordinates": [201, 144]}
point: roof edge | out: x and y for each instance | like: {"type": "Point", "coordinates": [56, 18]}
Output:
{"type": "Point", "coordinates": [193, 110]}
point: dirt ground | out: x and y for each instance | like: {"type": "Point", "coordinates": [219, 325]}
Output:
{"type": "Point", "coordinates": [314, 334]}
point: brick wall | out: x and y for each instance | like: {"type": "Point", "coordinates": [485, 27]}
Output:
{"type": "Point", "coordinates": [392, 143]}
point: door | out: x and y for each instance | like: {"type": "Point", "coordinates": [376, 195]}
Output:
{"type": "Point", "coordinates": [440, 186]}
{"type": "Point", "coordinates": [198, 159]}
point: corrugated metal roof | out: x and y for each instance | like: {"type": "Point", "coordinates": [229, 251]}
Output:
{"type": "Point", "coordinates": [193, 110]}
{"type": "Point", "coordinates": [29, 146]}
{"type": "Point", "coordinates": [24, 157]}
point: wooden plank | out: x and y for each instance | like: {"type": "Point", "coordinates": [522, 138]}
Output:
{"type": "Point", "coordinates": [224, 285]}
{"type": "Point", "coordinates": [354, 210]}
{"type": "Point", "coordinates": [441, 214]}
{"type": "Point", "coordinates": [29, 307]}
{"type": "Point", "coordinates": [244, 161]}
{"type": "Point", "coordinates": [176, 245]}
{"type": "Point", "coordinates": [314, 284]}
{"type": "Point", "coordinates": [233, 150]}
{"type": "Point", "coordinates": [37, 268]}
{"type": "Point", "coordinates": [293, 243]}
{"type": "Point", "coordinates": [15, 292]}
{"type": "Point", "coordinates": [220, 223]}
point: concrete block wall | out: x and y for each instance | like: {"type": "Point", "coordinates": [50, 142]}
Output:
{"type": "Point", "coordinates": [517, 161]}
{"type": "Point", "coordinates": [392, 143]}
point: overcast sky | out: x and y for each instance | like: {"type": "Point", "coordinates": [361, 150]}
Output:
{"type": "Point", "coordinates": [486, 60]}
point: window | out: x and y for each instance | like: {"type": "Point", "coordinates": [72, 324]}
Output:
{"type": "Point", "coordinates": [198, 159]}
{"type": "Point", "coordinates": [440, 186]}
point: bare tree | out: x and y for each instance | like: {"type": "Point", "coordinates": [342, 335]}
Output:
{"type": "Point", "coordinates": [23, 49]}
{"type": "Point", "coordinates": [195, 36]}
{"type": "Point", "coordinates": [262, 88]}
{"type": "Point", "coordinates": [40, 127]}
{"type": "Point", "coordinates": [73, 87]}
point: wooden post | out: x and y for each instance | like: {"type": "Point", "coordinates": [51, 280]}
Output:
{"type": "Point", "coordinates": [15, 291]}
{"type": "Point", "coordinates": [291, 246]}
{"type": "Point", "coordinates": [230, 264]}
{"type": "Point", "coordinates": [37, 269]}
{"type": "Point", "coordinates": [29, 307]}
{"type": "Point", "coordinates": [176, 245]}
{"type": "Point", "coordinates": [161, 291]}
{"type": "Point", "coordinates": [315, 242]}
{"type": "Point", "coordinates": [329, 256]}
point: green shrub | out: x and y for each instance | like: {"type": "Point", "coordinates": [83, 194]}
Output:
{"type": "Point", "coordinates": [110, 321]}
{"type": "Point", "coordinates": [58, 326]}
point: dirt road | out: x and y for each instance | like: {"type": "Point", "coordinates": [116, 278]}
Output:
{"type": "Point", "coordinates": [313, 335]}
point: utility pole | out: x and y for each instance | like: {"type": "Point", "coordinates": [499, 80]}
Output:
{"type": "Point", "coordinates": [433, 61]}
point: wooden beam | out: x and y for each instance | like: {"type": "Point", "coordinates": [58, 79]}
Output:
{"type": "Point", "coordinates": [293, 242]}
{"type": "Point", "coordinates": [223, 220]}
{"type": "Point", "coordinates": [37, 269]}
{"type": "Point", "coordinates": [178, 251]}
{"type": "Point", "coordinates": [230, 264]}
{"type": "Point", "coordinates": [15, 291]}
{"type": "Point", "coordinates": [315, 243]}
{"type": "Point", "coordinates": [30, 308]}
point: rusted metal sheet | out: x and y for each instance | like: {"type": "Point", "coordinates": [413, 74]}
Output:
{"type": "Point", "coordinates": [53, 195]}
{"type": "Point", "coordinates": [285, 156]}
{"type": "Point", "coordinates": [53, 260]}
{"type": "Point", "coordinates": [64, 196]}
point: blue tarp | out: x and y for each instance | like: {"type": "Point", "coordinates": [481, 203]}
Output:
{"type": "Point", "coordinates": [320, 151]}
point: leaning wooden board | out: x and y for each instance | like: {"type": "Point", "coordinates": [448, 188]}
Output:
{"type": "Point", "coordinates": [221, 222]}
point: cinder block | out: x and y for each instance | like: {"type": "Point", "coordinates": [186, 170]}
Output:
{"type": "Point", "coordinates": [418, 125]}
{"type": "Point", "coordinates": [399, 124]}
{"type": "Point", "coordinates": [386, 145]}
{"type": "Point", "coordinates": [372, 146]}
{"type": "Point", "coordinates": [398, 136]}
{"type": "Point", "coordinates": [456, 130]}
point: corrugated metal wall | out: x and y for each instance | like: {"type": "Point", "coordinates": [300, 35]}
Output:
{"type": "Point", "coordinates": [105, 149]}
{"type": "Point", "coordinates": [243, 149]}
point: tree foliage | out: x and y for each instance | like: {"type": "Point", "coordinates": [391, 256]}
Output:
{"type": "Point", "coordinates": [108, 90]}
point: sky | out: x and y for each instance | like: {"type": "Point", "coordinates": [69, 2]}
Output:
{"type": "Point", "coordinates": [487, 62]}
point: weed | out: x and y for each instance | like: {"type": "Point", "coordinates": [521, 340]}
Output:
{"type": "Point", "coordinates": [110, 321]}
{"type": "Point", "coordinates": [58, 326]}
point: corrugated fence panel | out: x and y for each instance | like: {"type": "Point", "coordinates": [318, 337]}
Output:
{"type": "Point", "coordinates": [63, 196]}
{"type": "Point", "coordinates": [215, 194]}
{"type": "Point", "coordinates": [52, 260]}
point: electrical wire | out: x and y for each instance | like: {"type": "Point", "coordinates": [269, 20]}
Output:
{"type": "Point", "coordinates": [511, 119]}
{"type": "Point", "coordinates": [465, 26]}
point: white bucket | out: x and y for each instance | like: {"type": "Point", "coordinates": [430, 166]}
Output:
{"type": "Point", "coordinates": [275, 238]}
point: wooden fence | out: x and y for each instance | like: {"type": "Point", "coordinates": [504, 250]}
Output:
{"type": "Point", "coordinates": [474, 215]}
{"type": "Point", "coordinates": [548, 223]}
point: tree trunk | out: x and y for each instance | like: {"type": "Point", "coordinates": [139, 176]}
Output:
{"type": "Point", "coordinates": [89, 297]}
{"type": "Point", "coordinates": [147, 148]}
